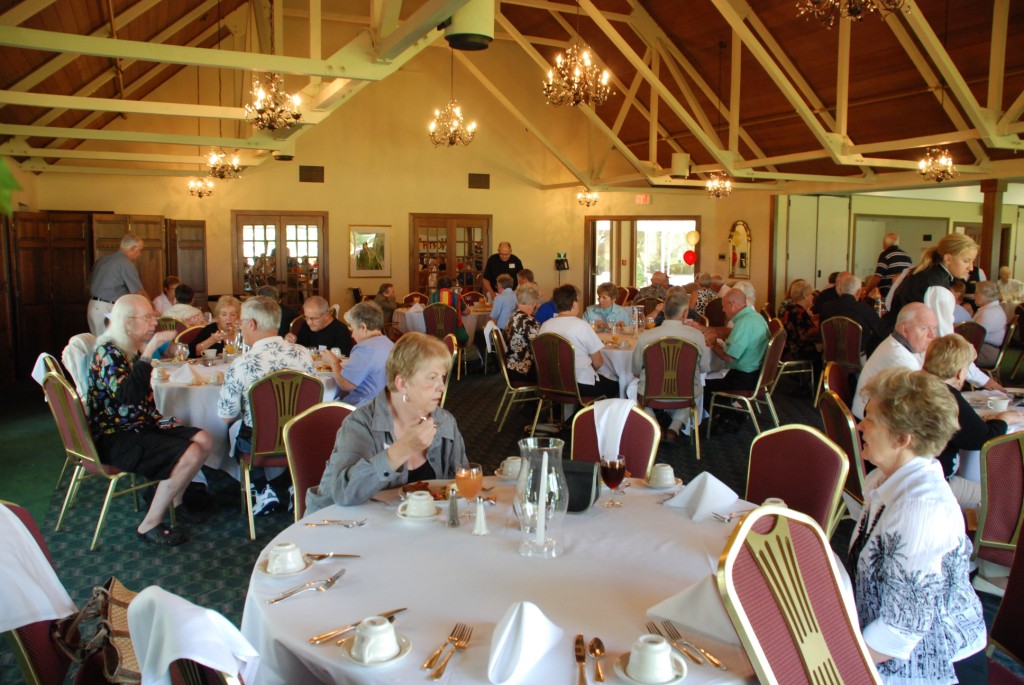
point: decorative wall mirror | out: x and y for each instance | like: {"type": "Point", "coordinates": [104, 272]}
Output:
{"type": "Point", "coordinates": [739, 246]}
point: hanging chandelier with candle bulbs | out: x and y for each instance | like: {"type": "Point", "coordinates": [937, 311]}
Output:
{"type": "Point", "coordinates": [719, 185]}
{"type": "Point", "coordinates": [587, 198]}
{"type": "Point", "coordinates": [576, 79]}
{"type": "Point", "coordinates": [272, 108]}
{"type": "Point", "coordinates": [937, 166]}
{"type": "Point", "coordinates": [448, 127]}
{"type": "Point", "coordinates": [200, 187]}
{"type": "Point", "coordinates": [223, 167]}
{"type": "Point", "coordinates": [828, 11]}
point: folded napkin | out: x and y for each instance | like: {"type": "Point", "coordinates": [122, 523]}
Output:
{"type": "Point", "coordinates": [165, 627]}
{"type": "Point", "coordinates": [29, 589]}
{"type": "Point", "coordinates": [699, 609]}
{"type": "Point", "coordinates": [39, 370]}
{"type": "Point", "coordinates": [609, 421]}
{"type": "Point", "coordinates": [416, 308]}
{"type": "Point", "coordinates": [705, 494]}
{"type": "Point", "coordinates": [521, 639]}
{"type": "Point", "coordinates": [186, 375]}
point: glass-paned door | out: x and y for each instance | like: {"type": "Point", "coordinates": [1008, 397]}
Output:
{"type": "Point", "coordinates": [283, 250]}
{"type": "Point", "coordinates": [661, 246]}
{"type": "Point", "coordinates": [455, 246]}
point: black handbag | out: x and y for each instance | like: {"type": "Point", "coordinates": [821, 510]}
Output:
{"type": "Point", "coordinates": [583, 478]}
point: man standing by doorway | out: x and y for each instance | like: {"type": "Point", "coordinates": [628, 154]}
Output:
{"type": "Point", "coordinates": [113, 275]}
{"type": "Point", "coordinates": [503, 262]}
{"type": "Point", "coordinates": [892, 261]}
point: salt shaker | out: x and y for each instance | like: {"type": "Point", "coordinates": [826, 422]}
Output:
{"type": "Point", "coordinates": [480, 527]}
{"type": "Point", "coordinates": [453, 509]}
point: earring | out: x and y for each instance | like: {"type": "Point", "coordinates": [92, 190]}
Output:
{"type": "Point", "coordinates": [405, 398]}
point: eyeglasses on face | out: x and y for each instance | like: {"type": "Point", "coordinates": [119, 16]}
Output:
{"type": "Point", "coordinates": [311, 319]}
{"type": "Point", "coordinates": [147, 317]}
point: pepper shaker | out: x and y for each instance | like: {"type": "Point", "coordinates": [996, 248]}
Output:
{"type": "Point", "coordinates": [453, 509]}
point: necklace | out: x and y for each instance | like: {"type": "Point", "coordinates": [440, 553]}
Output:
{"type": "Point", "coordinates": [853, 557]}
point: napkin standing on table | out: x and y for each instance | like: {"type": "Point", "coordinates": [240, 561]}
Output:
{"type": "Point", "coordinates": [609, 421]}
{"type": "Point", "coordinates": [699, 609]}
{"type": "Point", "coordinates": [186, 375]}
{"type": "Point", "coordinates": [705, 494]}
{"type": "Point", "coordinates": [415, 308]}
{"type": "Point", "coordinates": [521, 639]}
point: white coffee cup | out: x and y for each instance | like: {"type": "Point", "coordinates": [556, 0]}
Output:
{"type": "Point", "coordinates": [285, 557]}
{"type": "Point", "coordinates": [650, 660]}
{"type": "Point", "coordinates": [210, 353]}
{"type": "Point", "coordinates": [418, 504]}
{"type": "Point", "coordinates": [662, 474]}
{"type": "Point", "coordinates": [999, 403]}
{"type": "Point", "coordinates": [375, 640]}
{"type": "Point", "coordinates": [511, 466]}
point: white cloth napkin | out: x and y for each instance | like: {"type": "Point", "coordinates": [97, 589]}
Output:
{"type": "Point", "coordinates": [186, 375]}
{"type": "Point", "coordinates": [166, 627]}
{"type": "Point", "coordinates": [77, 357]}
{"type": "Point", "coordinates": [29, 589]}
{"type": "Point", "coordinates": [521, 639]}
{"type": "Point", "coordinates": [609, 421]}
{"type": "Point", "coordinates": [39, 370]}
{"type": "Point", "coordinates": [415, 308]}
{"type": "Point", "coordinates": [699, 609]}
{"type": "Point", "coordinates": [705, 494]}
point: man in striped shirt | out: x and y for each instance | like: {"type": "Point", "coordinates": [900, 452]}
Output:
{"type": "Point", "coordinates": [892, 261]}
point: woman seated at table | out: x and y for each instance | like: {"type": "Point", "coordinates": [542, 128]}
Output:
{"type": "Point", "coordinates": [124, 421]}
{"type": "Point", "coordinates": [909, 557]}
{"type": "Point", "coordinates": [401, 436]}
{"type": "Point", "coordinates": [165, 299]}
{"type": "Point", "coordinates": [361, 377]}
{"type": "Point", "coordinates": [703, 294]}
{"type": "Point", "coordinates": [445, 295]}
{"type": "Point", "coordinates": [606, 313]}
{"type": "Point", "coordinates": [521, 330]}
{"type": "Point", "coordinates": [948, 358]}
{"type": "Point", "coordinates": [223, 329]}
{"type": "Point", "coordinates": [801, 331]}
{"type": "Point", "coordinates": [585, 343]}
{"type": "Point", "coordinates": [991, 316]}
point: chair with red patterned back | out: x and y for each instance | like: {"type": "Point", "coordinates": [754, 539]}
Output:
{"type": "Point", "coordinates": [442, 320]}
{"type": "Point", "coordinates": [309, 440]}
{"type": "Point", "coordinates": [839, 380]}
{"type": "Point", "coordinates": [1002, 499]}
{"type": "Point", "coordinates": [555, 362]}
{"type": "Point", "coordinates": [1005, 633]}
{"type": "Point", "coordinates": [670, 368]}
{"type": "Point", "coordinates": [761, 394]}
{"type": "Point", "coordinates": [841, 428]}
{"type": "Point", "coordinates": [841, 340]}
{"type": "Point", "coordinates": [971, 331]}
{"type": "Point", "coordinates": [638, 444]}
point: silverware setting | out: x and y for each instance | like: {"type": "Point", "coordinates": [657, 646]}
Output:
{"type": "Point", "coordinates": [451, 639]}
{"type": "Point", "coordinates": [730, 517]}
{"type": "Point", "coordinates": [675, 636]}
{"type": "Point", "coordinates": [319, 585]}
{"type": "Point", "coordinates": [581, 659]}
{"type": "Point", "coordinates": [344, 523]}
{"type": "Point", "coordinates": [596, 650]}
{"type": "Point", "coordinates": [461, 642]}
{"type": "Point", "coordinates": [330, 635]}
{"type": "Point", "coordinates": [320, 556]}
{"type": "Point", "coordinates": [653, 628]}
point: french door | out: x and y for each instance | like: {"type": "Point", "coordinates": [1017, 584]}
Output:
{"type": "Point", "coordinates": [285, 250]}
{"type": "Point", "coordinates": [452, 245]}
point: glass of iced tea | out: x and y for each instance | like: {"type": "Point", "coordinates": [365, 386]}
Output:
{"type": "Point", "coordinates": [470, 479]}
{"type": "Point", "coordinates": [613, 471]}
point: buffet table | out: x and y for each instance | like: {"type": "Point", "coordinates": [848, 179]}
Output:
{"type": "Point", "coordinates": [617, 563]}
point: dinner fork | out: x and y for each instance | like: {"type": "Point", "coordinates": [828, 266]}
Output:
{"type": "Point", "coordinates": [320, 585]}
{"type": "Point", "coordinates": [452, 637]}
{"type": "Point", "coordinates": [676, 636]}
{"type": "Point", "coordinates": [345, 523]}
{"type": "Point", "coordinates": [461, 642]}
{"type": "Point", "coordinates": [653, 628]}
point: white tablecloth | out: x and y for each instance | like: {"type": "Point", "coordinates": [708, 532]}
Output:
{"type": "Point", "coordinates": [617, 564]}
{"type": "Point", "coordinates": [970, 460]}
{"type": "Point", "coordinates": [413, 321]}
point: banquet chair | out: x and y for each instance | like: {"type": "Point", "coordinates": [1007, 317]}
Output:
{"type": "Point", "coordinates": [453, 348]}
{"type": "Point", "coordinates": [638, 444]}
{"type": "Point", "coordinates": [792, 367]}
{"type": "Point", "coordinates": [335, 310]}
{"type": "Point", "coordinates": [411, 298]}
{"type": "Point", "coordinates": [555, 361]}
{"type": "Point", "coordinates": [633, 292]}
{"type": "Point", "coordinates": [714, 313]}
{"type": "Point", "coordinates": [514, 391]}
{"type": "Point", "coordinates": [1005, 633]}
{"type": "Point", "coordinates": [841, 428]}
{"type": "Point", "coordinates": [296, 324]}
{"type": "Point", "coordinates": [766, 312]}
{"type": "Point", "coordinates": [441, 320]}
{"type": "Point", "coordinates": [648, 303]}
{"type": "Point", "coordinates": [839, 380]}
{"type": "Point", "coordinates": [621, 295]}
{"type": "Point", "coordinates": [81, 451]}
{"type": "Point", "coordinates": [188, 336]}
{"type": "Point", "coordinates": [671, 366]}
{"type": "Point", "coordinates": [489, 348]}
{"type": "Point", "coordinates": [782, 591]}
{"type": "Point", "coordinates": [308, 442]}
{"type": "Point", "coordinates": [77, 356]}
{"type": "Point", "coordinates": [471, 297]}
{"type": "Point", "coordinates": [1002, 499]}
{"type": "Point", "coordinates": [1011, 329]}
{"type": "Point", "coordinates": [51, 365]}
{"type": "Point", "coordinates": [169, 323]}
{"type": "Point", "coordinates": [760, 394]}
{"type": "Point", "coordinates": [774, 323]}
{"type": "Point", "coordinates": [973, 332]}
{"type": "Point", "coordinates": [841, 340]}
{"type": "Point", "coordinates": [273, 401]}
{"type": "Point", "coordinates": [40, 660]}
{"type": "Point", "coordinates": [778, 454]}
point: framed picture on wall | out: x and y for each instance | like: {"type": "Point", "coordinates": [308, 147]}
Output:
{"type": "Point", "coordinates": [369, 251]}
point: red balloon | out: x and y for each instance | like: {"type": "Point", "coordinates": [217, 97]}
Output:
{"type": "Point", "coordinates": [690, 257]}
{"type": "Point", "coordinates": [735, 256]}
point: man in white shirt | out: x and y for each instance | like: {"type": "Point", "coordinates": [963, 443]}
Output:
{"type": "Point", "coordinates": [586, 345]}
{"type": "Point", "coordinates": [992, 317]}
{"type": "Point", "coordinates": [916, 326]}
{"type": "Point", "coordinates": [1010, 289]}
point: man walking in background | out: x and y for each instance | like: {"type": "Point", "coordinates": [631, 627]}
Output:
{"type": "Point", "coordinates": [113, 275]}
{"type": "Point", "coordinates": [892, 261]}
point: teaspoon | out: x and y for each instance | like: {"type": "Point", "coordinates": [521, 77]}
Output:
{"type": "Point", "coordinates": [596, 649]}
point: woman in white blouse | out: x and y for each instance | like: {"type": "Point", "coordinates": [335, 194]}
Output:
{"type": "Point", "coordinates": [909, 556]}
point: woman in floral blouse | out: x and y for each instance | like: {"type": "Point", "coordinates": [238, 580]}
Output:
{"type": "Point", "coordinates": [522, 328]}
{"type": "Point", "coordinates": [125, 423]}
{"type": "Point", "coordinates": [801, 330]}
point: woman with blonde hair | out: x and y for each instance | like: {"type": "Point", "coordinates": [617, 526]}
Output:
{"type": "Point", "coordinates": [224, 327]}
{"type": "Point", "coordinates": [801, 330]}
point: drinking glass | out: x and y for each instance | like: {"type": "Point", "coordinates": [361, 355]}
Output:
{"type": "Point", "coordinates": [470, 479]}
{"type": "Point", "coordinates": [613, 470]}
{"type": "Point", "coordinates": [180, 351]}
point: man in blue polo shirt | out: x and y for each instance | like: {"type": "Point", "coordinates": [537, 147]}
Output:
{"type": "Point", "coordinates": [112, 276]}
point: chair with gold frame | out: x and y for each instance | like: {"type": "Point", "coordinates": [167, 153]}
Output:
{"type": "Point", "coordinates": [554, 359]}
{"type": "Point", "coordinates": [452, 343]}
{"type": "Point", "coordinates": [1002, 499]}
{"type": "Point", "coordinates": [514, 391]}
{"type": "Point", "coordinates": [671, 365]}
{"type": "Point", "coordinates": [638, 444]}
{"type": "Point", "coordinates": [309, 440]}
{"type": "Point", "coordinates": [841, 428]}
{"type": "Point", "coordinates": [760, 394]}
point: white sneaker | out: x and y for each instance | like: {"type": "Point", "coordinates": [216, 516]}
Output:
{"type": "Point", "coordinates": [291, 498]}
{"type": "Point", "coordinates": [266, 501]}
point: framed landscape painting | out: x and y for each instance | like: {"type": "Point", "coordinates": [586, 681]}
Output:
{"type": "Point", "coordinates": [369, 251]}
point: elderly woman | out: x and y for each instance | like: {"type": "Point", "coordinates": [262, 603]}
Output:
{"type": "Point", "coordinates": [909, 556]}
{"type": "Point", "coordinates": [361, 377]}
{"type": "Point", "coordinates": [401, 436]}
{"type": "Point", "coordinates": [948, 358]}
{"type": "Point", "coordinates": [165, 299]}
{"type": "Point", "coordinates": [700, 297]}
{"type": "Point", "coordinates": [223, 329]}
{"type": "Point", "coordinates": [606, 313]}
{"type": "Point", "coordinates": [801, 330]}
{"type": "Point", "coordinates": [521, 330]}
{"type": "Point", "coordinates": [124, 422]}
{"type": "Point", "coordinates": [991, 316]}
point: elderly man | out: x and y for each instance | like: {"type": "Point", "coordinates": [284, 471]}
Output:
{"type": "Point", "coordinates": [385, 299]}
{"type": "Point", "coordinates": [321, 329]}
{"type": "Point", "coordinates": [504, 302]}
{"type": "Point", "coordinates": [268, 352]}
{"type": "Point", "coordinates": [676, 308]}
{"type": "Point", "coordinates": [287, 313]}
{"type": "Point", "coordinates": [847, 304]}
{"type": "Point", "coordinates": [502, 262]}
{"type": "Point", "coordinates": [361, 377]}
{"type": "Point", "coordinates": [112, 276]}
{"type": "Point", "coordinates": [828, 294]}
{"type": "Point", "coordinates": [916, 326]}
{"type": "Point", "coordinates": [1010, 289]}
{"type": "Point", "coordinates": [657, 288]}
{"type": "Point", "coordinates": [992, 317]}
{"type": "Point", "coordinates": [892, 261]}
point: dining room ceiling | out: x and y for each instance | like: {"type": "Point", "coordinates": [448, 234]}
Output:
{"type": "Point", "coordinates": [776, 100]}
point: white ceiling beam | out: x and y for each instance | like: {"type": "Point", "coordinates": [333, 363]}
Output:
{"type": "Point", "coordinates": [997, 54]}
{"type": "Point", "coordinates": [17, 147]}
{"type": "Point", "coordinates": [176, 109]}
{"type": "Point", "coordinates": [262, 24]}
{"type": "Point", "coordinates": [384, 15]}
{"type": "Point", "coordinates": [782, 159]}
{"type": "Point", "coordinates": [254, 143]}
{"type": "Point", "coordinates": [628, 100]}
{"type": "Point", "coordinates": [652, 121]}
{"type": "Point", "coordinates": [24, 11]}
{"type": "Point", "coordinates": [315, 36]}
{"type": "Point", "coordinates": [418, 26]}
{"type": "Point", "coordinates": [735, 73]}
{"type": "Point", "coordinates": [936, 139]}
{"type": "Point", "coordinates": [39, 166]}
{"type": "Point", "coordinates": [843, 78]}
{"type": "Point", "coordinates": [561, 8]}
{"type": "Point", "coordinates": [1013, 113]}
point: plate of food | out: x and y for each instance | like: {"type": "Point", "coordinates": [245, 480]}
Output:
{"type": "Point", "coordinates": [438, 489]}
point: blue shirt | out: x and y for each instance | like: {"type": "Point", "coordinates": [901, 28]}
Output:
{"type": "Point", "coordinates": [610, 316]}
{"type": "Point", "coordinates": [747, 341]}
{"type": "Point", "coordinates": [504, 305]}
{"type": "Point", "coordinates": [365, 369]}
{"type": "Point", "coordinates": [545, 311]}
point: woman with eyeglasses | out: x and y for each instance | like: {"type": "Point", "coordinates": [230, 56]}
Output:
{"type": "Point", "coordinates": [223, 329]}
{"type": "Point", "coordinates": [125, 424]}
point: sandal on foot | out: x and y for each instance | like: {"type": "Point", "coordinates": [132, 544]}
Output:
{"type": "Point", "coordinates": [163, 535]}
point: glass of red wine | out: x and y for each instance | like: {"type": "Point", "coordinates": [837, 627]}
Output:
{"type": "Point", "coordinates": [613, 470]}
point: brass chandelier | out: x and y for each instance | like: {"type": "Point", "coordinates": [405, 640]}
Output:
{"type": "Point", "coordinates": [587, 198]}
{"type": "Point", "coordinates": [200, 187]}
{"type": "Point", "coordinates": [827, 11]}
{"type": "Point", "coordinates": [575, 79]}
{"type": "Point", "coordinates": [223, 167]}
{"type": "Point", "coordinates": [272, 108]}
{"type": "Point", "coordinates": [937, 166]}
{"type": "Point", "coordinates": [719, 185]}
{"type": "Point", "coordinates": [448, 127]}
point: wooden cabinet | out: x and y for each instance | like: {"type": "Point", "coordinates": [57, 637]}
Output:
{"type": "Point", "coordinates": [186, 255]}
{"type": "Point", "coordinates": [107, 231]}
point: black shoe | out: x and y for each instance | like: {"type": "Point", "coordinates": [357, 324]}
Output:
{"type": "Point", "coordinates": [196, 496]}
{"type": "Point", "coordinates": [185, 514]}
{"type": "Point", "coordinates": [163, 536]}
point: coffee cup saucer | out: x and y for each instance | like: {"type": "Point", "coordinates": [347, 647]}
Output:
{"type": "Point", "coordinates": [417, 519]}
{"type": "Point", "coordinates": [655, 486]}
{"type": "Point", "coordinates": [678, 668]}
{"type": "Point", "coordinates": [261, 566]}
{"type": "Point", "coordinates": [404, 645]}
{"type": "Point", "coordinates": [500, 473]}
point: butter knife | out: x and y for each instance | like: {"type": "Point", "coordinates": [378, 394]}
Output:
{"type": "Point", "coordinates": [327, 637]}
{"type": "Point", "coordinates": [330, 555]}
{"type": "Point", "coordinates": [581, 659]}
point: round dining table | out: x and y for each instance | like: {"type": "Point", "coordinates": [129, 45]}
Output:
{"type": "Point", "coordinates": [616, 564]}
{"type": "Point", "coordinates": [408, 319]}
